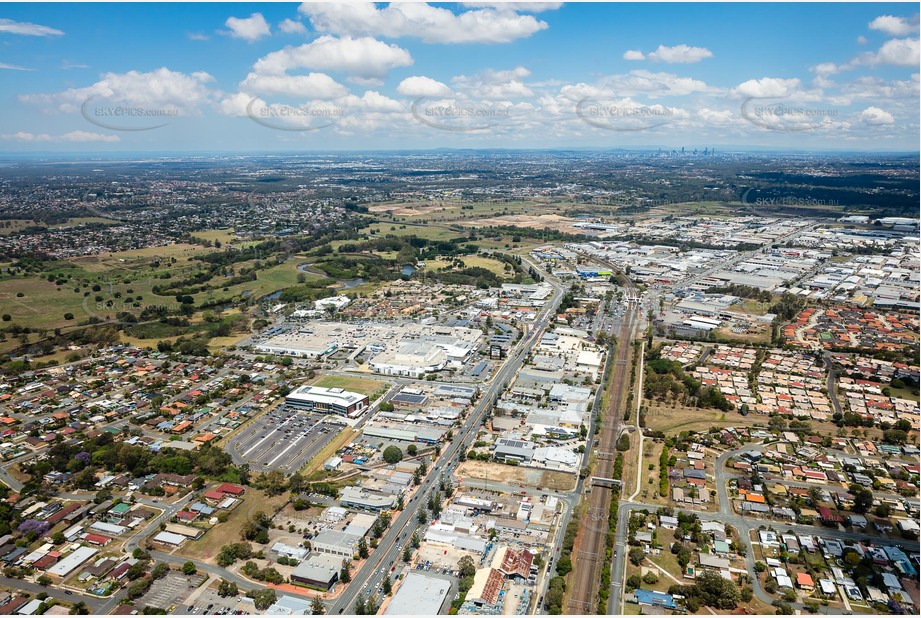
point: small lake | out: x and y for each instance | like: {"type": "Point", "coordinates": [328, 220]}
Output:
{"type": "Point", "coordinates": [408, 270]}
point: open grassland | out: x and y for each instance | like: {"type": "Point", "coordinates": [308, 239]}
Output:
{"type": "Point", "coordinates": [673, 418]}
{"type": "Point", "coordinates": [207, 547]}
{"type": "Point", "coordinates": [364, 386]}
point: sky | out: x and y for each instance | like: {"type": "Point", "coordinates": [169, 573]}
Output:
{"type": "Point", "coordinates": [251, 77]}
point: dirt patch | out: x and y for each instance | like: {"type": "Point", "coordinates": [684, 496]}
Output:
{"type": "Point", "coordinates": [674, 418]}
{"type": "Point", "coordinates": [517, 475]}
{"type": "Point", "coordinates": [554, 222]}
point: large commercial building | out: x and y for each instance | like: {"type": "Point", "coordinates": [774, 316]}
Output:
{"type": "Point", "coordinates": [327, 400]}
{"type": "Point", "coordinates": [318, 571]}
{"type": "Point", "coordinates": [419, 595]}
{"type": "Point", "coordinates": [359, 498]}
{"type": "Point", "coordinates": [335, 543]}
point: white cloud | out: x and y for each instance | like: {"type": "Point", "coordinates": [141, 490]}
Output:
{"type": "Point", "coordinates": [895, 26]}
{"type": "Point", "coordinates": [429, 23]}
{"type": "Point", "coordinates": [825, 68]}
{"type": "Point", "coordinates": [900, 52]}
{"type": "Point", "coordinates": [73, 136]}
{"type": "Point", "coordinates": [634, 54]}
{"type": "Point", "coordinates": [311, 86]}
{"type": "Point", "coordinates": [642, 82]}
{"type": "Point", "coordinates": [521, 7]}
{"type": "Point", "coordinates": [495, 85]}
{"type": "Point", "coordinates": [159, 89]}
{"type": "Point", "coordinates": [198, 36]}
{"type": "Point", "coordinates": [422, 86]}
{"type": "Point", "coordinates": [290, 26]}
{"type": "Point", "coordinates": [14, 67]}
{"type": "Point", "coordinates": [364, 57]}
{"type": "Point", "coordinates": [679, 54]}
{"type": "Point", "coordinates": [250, 28]}
{"type": "Point", "coordinates": [862, 40]}
{"type": "Point", "coordinates": [27, 29]}
{"type": "Point", "coordinates": [767, 87]}
{"type": "Point", "coordinates": [876, 117]}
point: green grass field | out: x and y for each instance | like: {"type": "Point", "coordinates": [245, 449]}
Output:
{"type": "Point", "coordinates": [364, 386]}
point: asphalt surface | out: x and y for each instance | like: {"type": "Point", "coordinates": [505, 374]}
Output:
{"type": "Point", "coordinates": [283, 439]}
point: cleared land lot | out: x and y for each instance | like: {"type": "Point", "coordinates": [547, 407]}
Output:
{"type": "Point", "coordinates": [517, 475]}
{"type": "Point", "coordinates": [356, 384]}
{"type": "Point", "coordinates": [673, 418]}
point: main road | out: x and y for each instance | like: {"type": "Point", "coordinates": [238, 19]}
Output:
{"type": "Point", "coordinates": [368, 578]}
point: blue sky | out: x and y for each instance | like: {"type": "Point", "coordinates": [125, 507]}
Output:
{"type": "Point", "coordinates": [268, 77]}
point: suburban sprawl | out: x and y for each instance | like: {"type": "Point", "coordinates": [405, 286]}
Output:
{"type": "Point", "coordinates": [444, 383]}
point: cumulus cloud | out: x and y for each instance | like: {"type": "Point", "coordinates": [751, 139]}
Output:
{"type": "Point", "coordinates": [679, 54]}
{"type": "Point", "coordinates": [895, 26]}
{"type": "Point", "coordinates": [159, 89]}
{"type": "Point", "coordinates": [363, 57]}
{"type": "Point", "coordinates": [493, 84]}
{"type": "Point", "coordinates": [250, 28]}
{"type": "Point", "coordinates": [25, 28]}
{"type": "Point", "coordinates": [420, 20]}
{"type": "Point", "coordinates": [634, 54]}
{"type": "Point", "coordinates": [422, 86]}
{"type": "Point", "coordinates": [290, 26]}
{"type": "Point", "coordinates": [875, 116]}
{"type": "Point", "coordinates": [521, 7]}
{"type": "Point", "coordinates": [310, 86]}
{"type": "Point", "coordinates": [767, 87]}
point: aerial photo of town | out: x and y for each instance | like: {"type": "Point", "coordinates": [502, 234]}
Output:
{"type": "Point", "coordinates": [459, 309]}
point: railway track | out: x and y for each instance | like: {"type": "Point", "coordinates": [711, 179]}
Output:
{"type": "Point", "coordinates": [589, 553]}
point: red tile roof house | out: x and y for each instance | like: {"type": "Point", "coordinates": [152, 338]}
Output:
{"type": "Point", "coordinates": [230, 488]}
{"type": "Point", "coordinates": [97, 539]}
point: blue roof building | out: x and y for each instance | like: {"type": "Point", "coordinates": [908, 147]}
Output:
{"type": "Point", "coordinates": [651, 597]}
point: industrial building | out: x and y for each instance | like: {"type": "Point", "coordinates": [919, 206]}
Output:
{"type": "Point", "coordinates": [359, 498]}
{"type": "Point", "coordinates": [419, 595]}
{"type": "Point", "coordinates": [327, 400]}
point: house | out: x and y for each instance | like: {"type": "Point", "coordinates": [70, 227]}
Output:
{"type": "Point", "coordinates": [667, 522]}
{"type": "Point", "coordinates": [654, 598]}
{"type": "Point", "coordinates": [715, 529]}
{"type": "Point", "coordinates": [709, 561]}
{"type": "Point", "coordinates": [804, 582]}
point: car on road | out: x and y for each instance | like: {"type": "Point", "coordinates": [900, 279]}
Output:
{"type": "Point", "coordinates": [68, 592]}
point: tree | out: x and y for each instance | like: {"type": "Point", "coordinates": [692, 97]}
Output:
{"type": "Point", "coordinates": [414, 540]}
{"type": "Point", "coordinates": [392, 454]}
{"type": "Point", "coordinates": [264, 598]}
{"type": "Point", "coordinates": [863, 498]}
{"type": "Point", "coordinates": [189, 568]}
{"type": "Point", "coordinates": [362, 548]}
{"type": "Point", "coordinates": [412, 450]}
{"type": "Point", "coordinates": [227, 589]}
{"type": "Point", "coordinates": [316, 607]}
{"type": "Point", "coordinates": [388, 586]}
{"type": "Point", "coordinates": [466, 567]}
{"type": "Point", "coordinates": [345, 574]}
{"type": "Point", "coordinates": [79, 609]}
{"type": "Point", "coordinates": [44, 581]}
{"type": "Point", "coordinates": [423, 516]}
{"type": "Point", "coordinates": [159, 571]}
{"type": "Point", "coordinates": [407, 555]}
{"type": "Point", "coordinates": [360, 605]}
{"type": "Point", "coordinates": [636, 555]}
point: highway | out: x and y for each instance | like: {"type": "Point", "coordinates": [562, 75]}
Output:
{"type": "Point", "coordinates": [390, 547]}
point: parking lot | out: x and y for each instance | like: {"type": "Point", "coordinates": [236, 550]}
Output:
{"type": "Point", "coordinates": [171, 590]}
{"type": "Point", "coordinates": [284, 439]}
{"type": "Point", "coordinates": [209, 602]}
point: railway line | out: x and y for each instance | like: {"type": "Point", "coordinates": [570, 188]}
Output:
{"type": "Point", "coordinates": [589, 551]}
